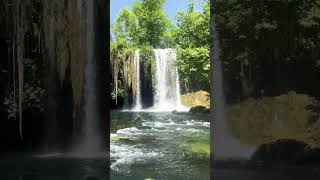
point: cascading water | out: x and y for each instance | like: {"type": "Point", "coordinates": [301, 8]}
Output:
{"type": "Point", "coordinates": [167, 95]}
{"type": "Point", "coordinates": [138, 105]}
{"type": "Point", "coordinates": [90, 142]}
{"type": "Point", "coordinates": [225, 146]}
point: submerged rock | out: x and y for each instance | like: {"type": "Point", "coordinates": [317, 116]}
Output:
{"type": "Point", "coordinates": [197, 145]}
{"type": "Point", "coordinates": [115, 138]}
{"type": "Point", "coordinates": [199, 110]}
{"type": "Point", "coordinates": [287, 151]}
{"type": "Point", "coordinates": [197, 151]}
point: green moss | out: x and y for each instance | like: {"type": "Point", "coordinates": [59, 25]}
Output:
{"type": "Point", "coordinates": [148, 62]}
{"type": "Point", "coordinates": [195, 144]}
{"type": "Point", "coordinates": [114, 137]}
{"type": "Point", "coordinates": [198, 148]}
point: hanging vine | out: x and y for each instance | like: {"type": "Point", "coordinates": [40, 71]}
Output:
{"type": "Point", "coordinates": [64, 42]}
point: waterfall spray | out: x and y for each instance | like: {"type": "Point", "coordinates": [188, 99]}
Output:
{"type": "Point", "coordinates": [225, 146]}
{"type": "Point", "coordinates": [167, 95]}
{"type": "Point", "coordinates": [90, 142]}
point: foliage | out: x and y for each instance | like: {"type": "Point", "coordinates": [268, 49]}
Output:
{"type": "Point", "coordinates": [192, 38]}
{"type": "Point", "coordinates": [34, 94]}
{"type": "Point", "coordinates": [153, 22]}
{"type": "Point", "coordinates": [145, 26]}
{"type": "Point", "coordinates": [193, 27]}
{"type": "Point", "coordinates": [269, 46]}
{"type": "Point", "coordinates": [194, 67]}
{"type": "Point", "coordinates": [147, 59]}
{"type": "Point", "coordinates": [125, 27]}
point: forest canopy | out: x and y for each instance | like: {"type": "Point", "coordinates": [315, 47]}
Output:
{"type": "Point", "coordinates": [269, 47]}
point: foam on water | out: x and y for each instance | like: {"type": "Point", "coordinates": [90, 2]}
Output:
{"type": "Point", "coordinates": [123, 154]}
{"type": "Point", "coordinates": [132, 131]}
{"type": "Point", "coordinates": [155, 130]}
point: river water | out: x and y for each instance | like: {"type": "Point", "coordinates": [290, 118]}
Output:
{"type": "Point", "coordinates": [145, 146]}
{"type": "Point", "coordinates": [159, 145]}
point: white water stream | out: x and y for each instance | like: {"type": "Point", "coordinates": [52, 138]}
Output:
{"type": "Point", "coordinates": [167, 95]}
{"type": "Point", "coordinates": [138, 105]}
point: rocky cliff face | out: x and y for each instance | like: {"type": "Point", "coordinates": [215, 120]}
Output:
{"type": "Point", "coordinates": [53, 34]}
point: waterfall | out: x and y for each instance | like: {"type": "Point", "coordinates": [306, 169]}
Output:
{"type": "Point", "coordinates": [90, 141]}
{"type": "Point", "coordinates": [138, 89]}
{"type": "Point", "coordinates": [225, 146]}
{"type": "Point", "coordinates": [167, 90]}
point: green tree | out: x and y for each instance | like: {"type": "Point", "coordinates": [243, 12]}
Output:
{"type": "Point", "coordinates": [267, 45]}
{"type": "Point", "coordinates": [153, 22]}
{"type": "Point", "coordinates": [125, 27]}
{"type": "Point", "coordinates": [193, 27]}
{"type": "Point", "coordinates": [192, 37]}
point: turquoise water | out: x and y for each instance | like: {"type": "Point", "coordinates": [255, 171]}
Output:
{"type": "Point", "coordinates": [159, 146]}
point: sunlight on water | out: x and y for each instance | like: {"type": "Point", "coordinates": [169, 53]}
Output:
{"type": "Point", "coordinates": [150, 143]}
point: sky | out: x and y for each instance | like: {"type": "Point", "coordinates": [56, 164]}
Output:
{"type": "Point", "coordinates": [171, 7]}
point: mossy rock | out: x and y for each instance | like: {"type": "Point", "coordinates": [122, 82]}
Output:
{"type": "Point", "coordinates": [197, 149]}
{"type": "Point", "coordinates": [149, 179]}
{"type": "Point", "coordinates": [116, 138]}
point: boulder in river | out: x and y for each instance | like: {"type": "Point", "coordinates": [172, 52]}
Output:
{"type": "Point", "coordinates": [287, 151]}
{"type": "Point", "coordinates": [199, 110]}
{"type": "Point", "coordinates": [174, 112]}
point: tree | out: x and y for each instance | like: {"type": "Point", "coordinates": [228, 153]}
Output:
{"type": "Point", "coordinates": [192, 37]}
{"type": "Point", "coordinates": [152, 20]}
{"type": "Point", "coordinates": [126, 26]}
{"type": "Point", "coordinates": [270, 46]}
{"type": "Point", "coordinates": [193, 27]}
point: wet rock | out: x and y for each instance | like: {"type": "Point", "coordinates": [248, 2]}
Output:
{"type": "Point", "coordinates": [199, 110]}
{"type": "Point", "coordinates": [174, 112]}
{"type": "Point", "coordinates": [116, 138]}
{"type": "Point", "coordinates": [287, 151]}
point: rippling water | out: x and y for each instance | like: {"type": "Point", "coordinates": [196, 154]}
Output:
{"type": "Point", "coordinates": [159, 146]}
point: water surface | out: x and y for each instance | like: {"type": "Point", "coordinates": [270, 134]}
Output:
{"type": "Point", "coordinates": [159, 145]}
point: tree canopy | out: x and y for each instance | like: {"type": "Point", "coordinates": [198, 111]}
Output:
{"type": "Point", "coordinates": [269, 46]}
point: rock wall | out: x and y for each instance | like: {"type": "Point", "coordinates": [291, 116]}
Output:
{"type": "Point", "coordinates": [53, 33]}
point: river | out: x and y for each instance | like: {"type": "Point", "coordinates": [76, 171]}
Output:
{"type": "Point", "coordinates": [159, 145]}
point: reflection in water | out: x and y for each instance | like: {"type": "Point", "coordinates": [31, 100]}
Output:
{"type": "Point", "coordinates": [20, 167]}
